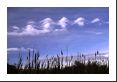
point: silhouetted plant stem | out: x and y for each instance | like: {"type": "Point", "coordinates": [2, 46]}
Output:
{"type": "Point", "coordinates": [61, 59]}
{"type": "Point", "coordinates": [29, 59]}
{"type": "Point", "coordinates": [20, 60]}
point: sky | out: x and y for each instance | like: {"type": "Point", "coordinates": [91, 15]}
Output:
{"type": "Point", "coordinates": [52, 29]}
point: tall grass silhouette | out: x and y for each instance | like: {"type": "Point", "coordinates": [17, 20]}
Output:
{"type": "Point", "coordinates": [59, 64]}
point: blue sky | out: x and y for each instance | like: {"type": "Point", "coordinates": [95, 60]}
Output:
{"type": "Point", "coordinates": [50, 30]}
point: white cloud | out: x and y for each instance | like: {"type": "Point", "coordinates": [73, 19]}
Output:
{"type": "Point", "coordinates": [18, 49]}
{"type": "Point", "coordinates": [15, 27]}
{"type": "Point", "coordinates": [95, 20]}
{"type": "Point", "coordinates": [80, 21]}
{"type": "Point", "coordinates": [28, 30]}
{"type": "Point", "coordinates": [47, 24]}
{"type": "Point", "coordinates": [63, 22]}
{"type": "Point", "coordinates": [12, 49]}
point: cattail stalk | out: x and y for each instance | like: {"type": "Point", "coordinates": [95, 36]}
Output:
{"type": "Point", "coordinates": [20, 60]}
{"type": "Point", "coordinates": [61, 59]}
{"type": "Point", "coordinates": [29, 59]}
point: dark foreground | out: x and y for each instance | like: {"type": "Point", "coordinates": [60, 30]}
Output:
{"type": "Point", "coordinates": [77, 68]}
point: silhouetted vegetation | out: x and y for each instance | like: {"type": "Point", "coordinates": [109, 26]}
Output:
{"type": "Point", "coordinates": [57, 65]}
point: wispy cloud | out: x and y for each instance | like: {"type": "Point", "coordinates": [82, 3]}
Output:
{"type": "Point", "coordinates": [98, 33]}
{"type": "Point", "coordinates": [12, 49]}
{"type": "Point", "coordinates": [28, 30]}
{"type": "Point", "coordinates": [48, 25]}
{"type": "Point", "coordinates": [95, 20]}
{"type": "Point", "coordinates": [18, 49]}
{"type": "Point", "coordinates": [31, 22]}
{"type": "Point", "coordinates": [15, 27]}
{"type": "Point", "coordinates": [80, 21]}
{"type": "Point", "coordinates": [94, 32]}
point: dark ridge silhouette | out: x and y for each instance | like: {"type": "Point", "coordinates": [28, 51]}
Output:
{"type": "Point", "coordinates": [57, 65]}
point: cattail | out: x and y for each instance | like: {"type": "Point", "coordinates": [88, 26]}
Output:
{"type": "Point", "coordinates": [52, 62]}
{"type": "Point", "coordinates": [35, 61]}
{"type": "Point", "coordinates": [38, 64]}
{"type": "Point", "coordinates": [42, 65]}
{"type": "Point", "coordinates": [20, 60]}
{"type": "Point", "coordinates": [29, 59]}
{"type": "Point", "coordinates": [97, 52]}
{"type": "Point", "coordinates": [58, 61]}
{"type": "Point", "coordinates": [84, 59]}
{"type": "Point", "coordinates": [95, 56]}
{"type": "Point", "coordinates": [47, 62]}
{"type": "Point", "coordinates": [27, 64]}
{"type": "Point", "coordinates": [38, 55]}
{"type": "Point", "coordinates": [61, 59]}
{"type": "Point", "coordinates": [61, 52]}
{"type": "Point", "coordinates": [71, 59]}
{"type": "Point", "coordinates": [66, 59]}
{"type": "Point", "coordinates": [55, 62]}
